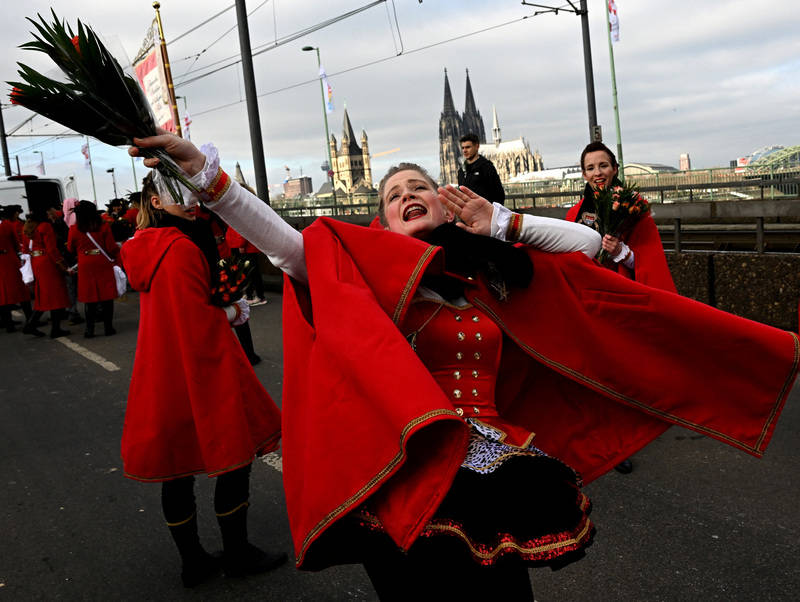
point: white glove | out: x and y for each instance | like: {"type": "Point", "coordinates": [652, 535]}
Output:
{"type": "Point", "coordinates": [238, 313]}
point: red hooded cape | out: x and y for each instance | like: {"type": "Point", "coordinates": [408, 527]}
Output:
{"type": "Point", "coordinates": [194, 404]}
{"type": "Point", "coordinates": [363, 417]}
{"type": "Point", "coordinates": [651, 264]}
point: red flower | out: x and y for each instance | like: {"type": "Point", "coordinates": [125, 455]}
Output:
{"type": "Point", "coordinates": [76, 42]}
{"type": "Point", "coordinates": [223, 277]}
{"type": "Point", "coordinates": [226, 297]}
{"type": "Point", "coordinates": [15, 95]}
{"type": "Point", "coordinates": [234, 268]}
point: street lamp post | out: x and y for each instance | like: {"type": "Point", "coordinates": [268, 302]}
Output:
{"type": "Point", "coordinates": [327, 131]}
{"type": "Point", "coordinates": [113, 180]}
{"type": "Point", "coordinates": [41, 154]}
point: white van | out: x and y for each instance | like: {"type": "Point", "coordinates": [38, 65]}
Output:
{"type": "Point", "coordinates": [31, 192]}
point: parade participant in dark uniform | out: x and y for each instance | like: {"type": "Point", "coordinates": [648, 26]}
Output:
{"type": "Point", "coordinates": [12, 289]}
{"type": "Point", "coordinates": [478, 173]}
{"type": "Point", "coordinates": [91, 241]}
{"type": "Point", "coordinates": [50, 290]}
{"type": "Point", "coordinates": [472, 392]}
{"type": "Point", "coordinates": [638, 254]}
{"type": "Point", "coordinates": [194, 406]}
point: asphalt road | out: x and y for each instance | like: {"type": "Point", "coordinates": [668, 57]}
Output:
{"type": "Point", "coordinates": [696, 520]}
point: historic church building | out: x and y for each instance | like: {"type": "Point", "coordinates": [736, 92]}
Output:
{"type": "Point", "coordinates": [510, 158]}
{"type": "Point", "coordinates": [352, 172]}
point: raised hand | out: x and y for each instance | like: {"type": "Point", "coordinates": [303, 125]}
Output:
{"type": "Point", "coordinates": [182, 151]}
{"type": "Point", "coordinates": [474, 211]}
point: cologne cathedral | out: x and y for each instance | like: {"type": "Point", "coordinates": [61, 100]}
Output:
{"type": "Point", "coordinates": [511, 158]}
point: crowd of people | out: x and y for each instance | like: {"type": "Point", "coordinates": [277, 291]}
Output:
{"type": "Point", "coordinates": [445, 393]}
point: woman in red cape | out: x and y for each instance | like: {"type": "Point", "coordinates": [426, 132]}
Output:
{"type": "Point", "coordinates": [638, 253]}
{"type": "Point", "coordinates": [12, 289]}
{"type": "Point", "coordinates": [439, 403]}
{"type": "Point", "coordinates": [195, 406]}
{"type": "Point", "coordinates": [97, 286]}
{"type": "Point", "coordinates": [50, 290]}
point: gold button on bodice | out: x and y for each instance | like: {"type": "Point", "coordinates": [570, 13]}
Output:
{"type": "Point", "coordinates": [474, 374]}
{"type": "Point", "coordinates": [476, 319]}
{"type": "Point", "coordinates": [458, 317]}
{"type": "Point", "coordinates": [477, 355]}
{"type": "Point", "coordinates": [478, 336]}
{"type": "Point", "coordinates": [459, 411]}
{"type": "Point", "coordinates": [461, 336]}
{"type": "Point", "coordinates": [457, 393]}
{"type": "Point", "coordinates": [457, 375]}
{"type": "Point", "coordinates": [476, 410]}
{"type": "Point", "coordinates": [474, 392]}
{"type": "Point", "coordinates": [459, 355]}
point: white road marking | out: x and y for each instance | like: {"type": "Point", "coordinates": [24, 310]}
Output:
{"type": "Point", "coordinates": [89, 355]}
{"type": "Point", "coordinates": [273, 460]}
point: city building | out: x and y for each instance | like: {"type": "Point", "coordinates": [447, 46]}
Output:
{"type": "Point", "coordinates": [511, 158]}
{"type": "Point", "coordinates": [352, 171]}
{"type": "Point", "coordinates": [297, 187]}
{"type": "Point", "coordinates": [685, 162]}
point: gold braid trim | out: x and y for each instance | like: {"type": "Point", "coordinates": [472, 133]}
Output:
{"type": "Point", "coordinates": [182, 522]}
{"type": "Point", "coordinates": [382, 474]}
{"type": "Point", "coordinates": [244, 504]}
{"type": "Point", "coordinates": [412, 279]}
{"type": "Point", "coordinates": [514, 227]}
{"type": "Point", "coordinates": [643, 406]}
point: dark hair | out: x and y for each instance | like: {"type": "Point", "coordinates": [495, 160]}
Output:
{"type": "Point", "coordinates": [134, 198]}
{"type": "Point", "coordinates": [396, 169]}
{"type": "Point", "coordinates": [593, 147]}
{"type": "Point", "coordinates": [86, 217]}
{"type": "Point", "coordinates": [469, 138]}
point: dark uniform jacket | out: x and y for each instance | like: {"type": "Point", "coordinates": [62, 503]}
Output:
{"type": "Point", "coordinates": [481, 177]}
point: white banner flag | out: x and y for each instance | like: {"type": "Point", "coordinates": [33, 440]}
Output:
{"type": "Point", "coordinates": [613, 20]}
{"type": "Point", "coordinates": [149, 68]}
{"type": "Point", "coordinates": [87, 158]}
{"type": "Point", "coordinates": [327, 90]}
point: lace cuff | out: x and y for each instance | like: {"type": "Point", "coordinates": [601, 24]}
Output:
{"type": "Point", "coordinates": [211, 180]}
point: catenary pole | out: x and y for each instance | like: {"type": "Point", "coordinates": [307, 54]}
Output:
{"type": "Point", "coordinates": [614, 92]}
{"type": "Point", "coordinates": [594, 131]}
{"type": "Point", "coordinates": [6, 160]}
{"type": "Point", "coordinates": [259, 163]}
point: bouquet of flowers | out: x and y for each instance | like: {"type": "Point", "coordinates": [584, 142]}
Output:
{"type": "Point", "coordinates": [97, 99]}
{"type": "Point", "coordinates": [618, 210]}
{"type": "Point", "coordinates": [229, 281]}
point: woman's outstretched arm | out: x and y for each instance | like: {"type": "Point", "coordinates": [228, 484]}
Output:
{"type": "Point", "coordinates": [244, 211]}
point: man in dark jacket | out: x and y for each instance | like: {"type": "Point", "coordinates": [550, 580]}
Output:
{"type": "Point", "coordinates": [477, 173]}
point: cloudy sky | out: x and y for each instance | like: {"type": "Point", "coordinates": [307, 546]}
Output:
{"type": "Point", "coordinates": [714, 79]}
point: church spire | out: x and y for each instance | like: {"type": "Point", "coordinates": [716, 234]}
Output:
{"type": "Point", "coordinates": [449, 107]}
{"type": "Point", "coordinates": [469, 102]}
{"type": "Point", "coordinates": [495, 128]}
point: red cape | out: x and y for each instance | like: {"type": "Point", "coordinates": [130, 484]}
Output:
{"type": "Point", "coordinates": [50, 290]}
{"type": "Point", "coordinates": [96, 280]}
{"type": "Point", "coordinates": [12, 288]}
{"type": "Point", "coordinates": [194, 405]}
{"type": "Point", "coordinates": [363, 417]}
{"type": "Point", "coordinates": [644, 239]}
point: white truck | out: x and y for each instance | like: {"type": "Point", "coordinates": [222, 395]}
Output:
{"type": "Point", "coordinates": [32, 192]}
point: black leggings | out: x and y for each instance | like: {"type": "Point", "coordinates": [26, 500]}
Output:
{"type": "Point", "coordinates": [107, 308]}
{"type": "Point", "coordinates": [177, 496]}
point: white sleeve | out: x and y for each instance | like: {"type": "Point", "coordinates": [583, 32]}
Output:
{"type": "Point", "coordinates": [256, 221]}
{"type": "Point", "coordinates": [546, 233]}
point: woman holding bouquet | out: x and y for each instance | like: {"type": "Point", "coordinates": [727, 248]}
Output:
{"type": "Point", "coordinates": [637, 253]}
{"type": "Point", "coordinates": [91, 240]}
{"type": "Point", "coordinates": [195, 405]}
{"type": "Point", "coordinates": [454, 378]}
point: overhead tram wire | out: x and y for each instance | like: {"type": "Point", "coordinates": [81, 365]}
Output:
{"type": "Point", "coordinates": [196, 27]}
{"type": "Point", "coordinates": [370, 63]}
{"type": "Point", "coordinates": [230, 29]}
{"type": "Point", "coordinates": [285, 40]}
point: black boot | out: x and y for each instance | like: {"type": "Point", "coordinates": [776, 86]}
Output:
{"type": "Point", "coordinates": [30, 325]}
{"type": "Point", "coordinates": [198, 565]}
{"type": "Point", "coordinates": [5, 319]}
{"type": "Point", "coordinates": [108, 318]}
{"type": "Point", "coordinates": [240, 557]}
{"type": "Point", "coordinates": [624, 467]}
{"type": "Point", "coordinates": [56, 331]}
{"type": "Point", "coordinates": [91, 310]}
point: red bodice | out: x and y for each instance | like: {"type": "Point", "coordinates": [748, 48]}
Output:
{"type": "Point", "coordinates": [461, 348]}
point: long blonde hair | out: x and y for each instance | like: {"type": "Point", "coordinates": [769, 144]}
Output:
{"type": "Point", "coordinates": [148, 215]}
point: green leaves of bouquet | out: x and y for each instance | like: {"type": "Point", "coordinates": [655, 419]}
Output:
{"type": "Point", "coordinates": [619, 208]}
{"type": "Point", "coordinates": [97, 99]}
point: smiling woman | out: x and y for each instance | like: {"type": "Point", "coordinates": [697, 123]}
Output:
{"type": "Point", "coordinates": [454, 374]}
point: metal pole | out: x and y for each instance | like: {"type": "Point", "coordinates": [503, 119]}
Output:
{"type": "Point", "coordinates": [327, 135]}
{"type": "Point", "coordinates": [91, 169]}
{"type": "Point", "coordinates": [135, 181]}
{"type": "Point", "coordinates": [587, 65]}
{"type": "Point", "coordinates": [19, 172]}
{"type": "Point", "coordinates": [6, 160]}
{"type": "Point", "coordinates": [259, 163]}
{"type": "Point", "coordinates": [113, 180]}
{"type": "Point", "coordinates": [168, 73]}
{"type": "Point", "coordinates": [41, 159]}
{"type": "Point", "coordinates": [614, 92]}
